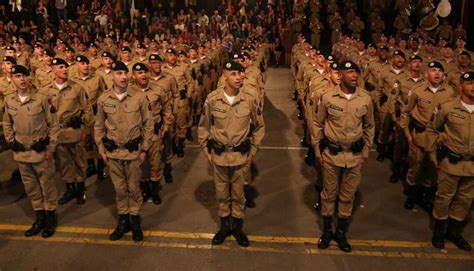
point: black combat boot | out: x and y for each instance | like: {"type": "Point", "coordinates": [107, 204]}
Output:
{"type": "Point", "coordinates": [249, 196]}
{"type": "Point", "coordinates": [180, 148]}
{"type": "Point", "coordinates": [239, 235]}
{"type": "Point", "coordinates": [69, 195]}
{"type": "Point", "coordinates": [50, 223]}
{"type": "Point", "coordinates": [223, 232]}
{"type": "Point", "coordinates": [101, 174]}
{"type": "Point", "coordinates": [122, 227]}
{"type": "Point", "coordinates": [167, 173]}
{"type": "Point", "coordinates": [155, 189]}
{"type": "Point", "coordinates": [137, 233]}
{"type": "Point", "coordinates": [411, 192]}
{"type": "Point", "coordinates": [454, 234]}
{"type": "Point", "coordinates": [438, 233]}
{"type": "Point", "coordinates": [381, 152]}
{"type": "Point", "coordinates": [189, 134]}
{"type": "Point", "coordinates": [327, 236]}
{"type": "Point", "coordinates": [38, 225]}
{"type": "Point", "coordinates": [145, 188]}
{"type": "Point", "coordinates": [91, 170]}
{"type": "Point", "coordinates": [340, 235]}
{"type": "Point", "coordinates": [310, 158]}
{"type": "Point", "coordinates": [80, 193]}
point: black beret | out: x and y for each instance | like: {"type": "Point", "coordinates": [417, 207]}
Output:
{"type": "Point", "coordinates": [236, 56]}
{"type": "Point", "coordinates": [9, 59]}
{"type": "Point", "coordinates": [370, 45]}
{"type": "Point", "coordinates": [139, 67]}
{"type": "Point", "coordinates": [436, 64]}
{"type": "Point", "coordinates": [467, 76]}
{"type": "Point", "coordinates": [416, 57]}
{"type": "Point", "coordinates": [82, 58]}
{"type": "Point", "coordinates": [171, 51]}
{"type": "Point", "coordinates": [153, 57]}
{"type": "Point", "coordinates": [92, 44]}
{"type": "Point", "coordinates": [399, 53]}
{"type": "Point", "coordinates": [335, 66]}
{"type": "Point", "coordinates": [462, 38]}
{"type": "Point", "coordinates": [431, 42]}
{"type": "Point", "coordinates": [447, 45]}
{"type": "Point", "coordinates": [107, 54]}
{"type": "Point", "coordinates": [153, 41]}
{"type": "Point", "coordinates": [383, 47]}
{"type": "Point", "coordinates": [119, 66]}
{"type": "Point", "coordinates": [50, 53]}
{"type": "Point", "coordinates": [69, 49]}
{"type": "Point", "coordinates": [126, 49]}
{"type": "Point", "coordinates": [331, 58]}
{"type": "Point", "coordinates": [233, 66]}
{"type": "Point", "coordinates": [10, 48]}
{"type": "Point", "coordinates": [38, 45]}
{"type": "Point", "coordinates": [59, 61]}
{"type": "Point", "coordinates": [181, 52]}
{"type": "Point", "coordinates": [349, 65]}
{"type": "Point", "coordinates": [141, 46]}
{"type": "Point", "coordinates": [20, 69]}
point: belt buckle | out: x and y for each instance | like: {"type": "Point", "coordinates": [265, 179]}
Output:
{"type": "Point", "coordinates": [229, 148]}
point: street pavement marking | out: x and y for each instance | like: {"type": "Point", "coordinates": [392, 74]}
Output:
{"type": "Point", "coordinates": [308, 251]}
{"type": "Point", "coordinates": [254, 238]}
{"type": "Point", "coordinates": [284, 148]}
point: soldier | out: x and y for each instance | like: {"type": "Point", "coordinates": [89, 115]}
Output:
{"type": "Point", "coordinates": [106, 68]}
{"type": "Point", "coordinates": [44, 74]}
{"type": "Point", "coordinates": [422, 100]}
{"type": "Point", "coordinates": [94, 57]}
{"type": "Point", "coordinates": [71, 61]}
{"type": "Point", "coordinates": [69, 100]}
{"type": "Point", "coordinates": [161, 116]}
{"type": "Point", "coordinates": [389, 81]}
{"type": "Point", "coordinates": [378, 27]}
{"type": "Point", "coordinates": [31, 128]}
{"type": "Point", "coordinates": [37, 59]}
{"type": "Point", "coordinates": [94, 85]}
{"type": "Point", "coordinates": [141, 53]}
{"type": "Point", "coordinates": [344, 130]}
{"type": "Point", "coordinates": [123, 144]}
{"type": "Point", "coordinates": [357, 26]}
{"type": "Point", "coordinates": [400, 99]}
{"type": "Point", "coordinates": [6, 87]}
{"type": "Point", "coordinates": [335, 22]}
{"type": "Point", "coordinates": [445, 31]}
{"type": "Point", "coordinates": [183, 78]}
{"type": "Point", "coordinates": [450, 149]}
{"type": "Point", "coordinates": [316, 27]}
{"type": "Point", "coordinates": [463, 62]}
{"type": "Point", "coordinates": [126, 56]}
{"type": "Point", "coordinates": [230, 152]}
{"type": "Point", "coordinates": [401, 22]}
{"type": "Point", "coordinates": [169, 85]}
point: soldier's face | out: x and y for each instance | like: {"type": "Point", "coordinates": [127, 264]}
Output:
{"type": "Point", "coordinates": [398, 61]}
{"type": "Point", "coordinates": [182, 58]}
{"type": "Point", "coordinates": [335, 76]}
{"type": "Point", "coordinates": [467, 89]}
{"type": "Point", "coordinates": [120, 79]}
{"type": "Point", "coordinates": [39, 51]}
{"type": "Point", "coordinates": [463, 61]}
{"type": "Point", "coordinates": [234, 79]}
{"type": "Point", "coordinates": [155, 66]}
{"type": "Point", "coordinates": [141, 51]}
{"type": "Point", "coordinates": [21, 81]}
{"type": "Point", "coordinates": [415, 65]}
{"type": "Point", "coordinates": [171, 58]}
{"type": "Point", "coordinates": [402, 44]}
{"type": "Point", "coordinates": [47, 59]}
{"type": "Point", "coordinates": [460, 43]}
{"type": "Point", "coordinates": [93, 51]}
{"type": "Point", "coordinates": [125, 55]}
{"type": "Point", "coordinates": [383, 54]}
{"type": "Point", "coordinates": [10, 53]}
{"type": "Point", "coordinates": [60, 71]}
{"type": "Point", "coordinates": [141, 77]}
{"type": "Point", "coordinates": [153, 46]}
{"type": "Point", "coordinates": [434, 76]}
{"type": "Point", "coordinates": [192, 54]}
{"type": "Point", "coordinates": [447, 52]}
{"type": "Point", "coordinates": [7, 67]}
{"type": "Point", "coordinates": [321, 60]}
{"type": "Point", "coordinates": [372, 51]}
{"type": "Point", "coordinates": [69, 55]}
{"type": "Point", "coordinates": [349, 78]}
{"type": "Point", "coordinates": [84, 68]}
{"type": "Point", "coordinates": [107, 62]}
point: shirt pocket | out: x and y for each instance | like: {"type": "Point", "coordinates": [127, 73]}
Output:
{"type": "Point", "coordinates": [334, 114]}
{"type": "Point", "coordinates": [361, 111]}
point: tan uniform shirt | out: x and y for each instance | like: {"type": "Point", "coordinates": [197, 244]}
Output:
{"type": "Point", "coordinates": [69, 102]}
{"type": "Point", "coordinates": [28, 122]}
{"type": "Point", "coordinates": [43, 76]}
{"type": "Point", "coordinates": [344, 121]}
{"type": "Point", "coordinates": [229, 125]}
{"type": "Point", "coordinates": [453, 126]}
{"type": "Point", "coordinates": [122, 121]}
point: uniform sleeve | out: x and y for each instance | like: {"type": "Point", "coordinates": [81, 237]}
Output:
{"type": "Point", "coordinates": [258, 127]}
{"type": "Point", "coordinates": [147, 125]}
{"type": "Point", "coordinates": [8, 126]}
{"type": "Point", "coordinates": [319, 121]}
{"type": "Point", "coordinates": [368, 126]}
{"type": "Point", "coordinates": [433, 128]}
{"type": "Point", "coordinates": [405, 116]}
{"type": "Point", "coordinates": [175, 94]}
{"type": "Point", "coordinates": [99, 127]}
{"type": "Point", "coordinates": [204, 129]}
{"type": "Point", "coordinates": [167, 113]}
{"type": "Point", "coordinates": [86, 107]}
{"type": "Point", "coordinates": [53, 125]}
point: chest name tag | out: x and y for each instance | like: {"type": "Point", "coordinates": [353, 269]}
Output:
{"type": "Point", "coordinates": [218, 110]}
{"type": "Point", "coordinates": [109, 105]}
{"type": "Point", "coordinates": [335, 107]}
{"type": "Point", "coordinates": [425, 101]}
{"type": "Point", "coordinates": [457, 115]}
